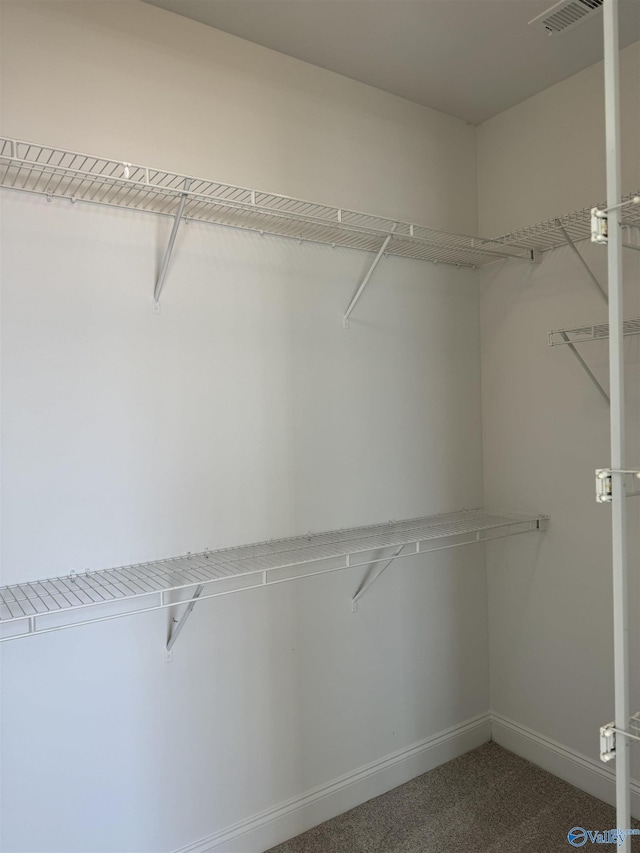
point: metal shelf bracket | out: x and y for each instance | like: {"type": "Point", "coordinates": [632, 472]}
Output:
{"type": "Point", "coordinates": [369, 580]}
{"type": "Point", "coordinates": [365, 280]}
{"type": "Point", "coordinates": [604, 483]}
{"type": "Point", "coordinates": [599, 225]}
{"type": "Point", "coordinates": [172, 239]}
{"type": "Point", "coordinates": [179, 624]}
{"type": "Point", "coordinates": [586, 334]}
{"type": "Point", "coordinates": [600, 220]}
{"type": "Point", "coordinates": [600, 290]}
{"type": "Point", "coordinates": [583, 263]}
{"type": "Point", "coordinates": [585, 366]}
{"type": "Point", "coordinates": [446, 540]}
{"type": "Point", "coordinates": [609, 732]}
{"type": "Point", "coordinates": [607, 742]}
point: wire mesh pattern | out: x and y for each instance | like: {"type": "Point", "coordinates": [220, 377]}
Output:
{"type": "Point", "coordinates": [57, 173]}
{"type": "Point", "coordinates": [634, 726]}
{"type": "Point", "coordinates": [549, 235]}
{"type": "Point", "coordinates": [145, 586]}
{"type": "Point", "coordinates": [598, 332]}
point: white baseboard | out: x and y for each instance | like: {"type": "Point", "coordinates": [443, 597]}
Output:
{"type": "Point", "coordinates": [585, 773]}
{"type": "Point", "coordinates": [275, 825]}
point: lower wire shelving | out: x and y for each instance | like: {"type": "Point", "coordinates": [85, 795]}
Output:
{"type": "Point", "coordinates": [585, 334]}
{"type": "Point", "coordinates": [38, 607]}
{"type": "Point", "coordinates": [597, 332]}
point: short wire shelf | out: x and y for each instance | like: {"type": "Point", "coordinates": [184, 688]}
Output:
{"type": "Point", "coordinates": [57, 173]}
{"type": "Point", "coordinates": [584, 334]}
{"type": "Point", "coordinates": [552, 233]}
{"type": "Point", "coordinates": [37, 607]}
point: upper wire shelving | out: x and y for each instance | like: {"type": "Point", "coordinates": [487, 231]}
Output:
{"type": "Point", "coordinates": [37, 607]}
{"type": "Point", "coordinates": [57, 173]}
{"type": "Point", "coordinates": [552, 234]}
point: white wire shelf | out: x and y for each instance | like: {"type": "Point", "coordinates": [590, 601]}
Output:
{"type": "Point", "coordinates": [597, 332]}
{"type": "Point", "coordinates": [57, 173]}
{"type": "Point", "coordinates": [549, 235]}
{"type": "Point", "coordinates": [38, 607]}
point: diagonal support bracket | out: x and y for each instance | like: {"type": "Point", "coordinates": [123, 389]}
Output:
{"type": "Point", "coordinates": [172, 239]}
{"type": "Point", "coordinates": [370, 580]}
{"type": "Point", "coordinates": [602, 293]}
{"type": "Point", "coordinates": [365, 280]}
{"type": "Point", "coordinates": [442, 543]}
{"type": "Point", "coordinates": [585, 366]}
{"type": "Point", "coordinates": [175, 633]}
{"type": "Point", "coordinates": [583, 263]}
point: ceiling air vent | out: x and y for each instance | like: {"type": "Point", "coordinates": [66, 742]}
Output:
{"type": "Point", "coordinates": [566, 15]}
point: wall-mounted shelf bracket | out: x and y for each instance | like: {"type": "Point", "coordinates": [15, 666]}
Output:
{"type": "Point", "coordinates": [365, 280]}
{"type": "Point", "coordinates": [608, 736]}
{"type": "Point", "coordinates": [442, 540]}
{"type": "Point", "coordinates": [599, 226]}
{"type": "Point", "coordinates": [172, 239]}
{"type": "Point", "coordinates": [179, 624]}
{"type": "Point", "coordinates": [585, 334]}
{"type": "Point", "coordinates": [607, 742]}
{"type": "Point", "coordinates": [583, 263]}
{"type": "Point", "coordinates": [566, 340]}
{"type": "Point", "coordinates": [600, 220]}
{"type": "Point", "coordinates": [604, 483]}
{"type": "Point", "coordinates": [369, 580]}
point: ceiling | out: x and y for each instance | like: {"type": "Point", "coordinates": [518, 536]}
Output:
{"type": "Point", "coordinates": [467, 58]}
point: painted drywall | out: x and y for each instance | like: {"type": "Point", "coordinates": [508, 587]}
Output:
{"type": "Point", "coordinates": [546, 156]}
{"type": "Point", "coordinates": [242, 411]}
{"type": "Point", "coordinates": [545, 427]}
{"type": "Point", "coordinates": [147, 85]}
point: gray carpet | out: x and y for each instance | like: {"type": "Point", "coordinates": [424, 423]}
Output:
{"type": "Point", "coordinates": [487, 801]}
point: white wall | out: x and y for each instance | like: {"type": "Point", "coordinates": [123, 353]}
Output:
{"type": "Point", "coordinates": [545, 426]}
{"type": "Point", "coordinates": [125, 81]}
{"type": "Point", "coordinates": [546, 156]}
{"type": "Point", "coordinates": [243, 411]}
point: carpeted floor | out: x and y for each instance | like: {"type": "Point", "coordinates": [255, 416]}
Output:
{"type": "Point", "coordinates": [487, 801]}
